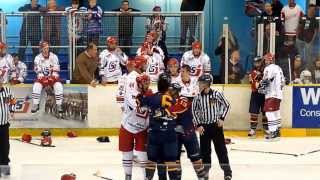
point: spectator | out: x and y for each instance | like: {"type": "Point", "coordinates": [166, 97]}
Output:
{"type": "Point", "coordinates": [94, 17]}
{"type": "Point", "coordinates": [287, 54]}
{"type": "Point", "coordinates": [305, 77]}
{"type": "Point", "coordinates": [86, 66]}
{"type": "Point", "coordinates": [125, 30]}
{"type": "Point", "coordinates": [110, 61]}
{"type": "Point", "coordinates": [52, 24]}
{"type": "Point", "coordinates": [315, 71]}
{"type": "Point", "coordinates": [291, 15]}
{"type": "Point", "coordinates": [27, 34]}
{"type": "Point", "coordinates": [297, 68]}
{"type": "Point", "coordinates": [220, 50]}
{"type": "Point", "coordinates": [277, 7]}
{"type": "Point", "coordinates": [20, 72]}
{"type": "Point", "coordinates": [158, 23]}
{"type": "Point", "coordinates": [235, 69]}
{"type": "Point", "coordinates": [189, 22]}
{"type": "Point", "coordinates": [307, 32]}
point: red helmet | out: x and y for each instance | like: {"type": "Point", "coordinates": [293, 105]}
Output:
{"type": "Point", "coordinates": [43, 44]}
{"type": "Point", "coordinates": [196, 45]}
{"type": "Point", "coordinates": [26, 138]}
{"type": "Point", "coordinates": [112, 40]}
{"type": "Point", "coordinates": [68, 177]}
{"type": "Point", "coordinates": [139, 61]}
{"type": "Point", "coordinates": [143, 79]}
{"type": "Point", "coordinates": [2, 45]}
{"type": "Point", "coordinates": [173, 61]}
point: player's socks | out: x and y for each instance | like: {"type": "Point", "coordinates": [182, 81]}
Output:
{"type": "Point", "coordinates": [162, 171]}
{"type": "Point", "coordinates": [179, 170]}
{"type": "Point", "coordinates": [150, 169]}
{"type": "Point", "coordinates": [142, 161]}
{"type": "Point", "coordinates": [254, 121]}
{"type": "Point", "coordinates": [172, 170]}
{"type": "Point", "coordinates": [199, 168]}
{"type": "Point", "coordinates": [127, 162]}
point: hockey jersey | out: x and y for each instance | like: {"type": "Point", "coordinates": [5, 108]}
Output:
{"type": "Point", "coordinates": [189, 89]}
{"type": "Point", "coordinates": [135, 119]}
{"type": "Point", "coordinates": [20, 72]}
{"type": "Point", "coordinates": [47, 66]}
{"type": "Point", "coordinates": [121, 90]}
{"type": "Point", "coordinates": [110, 69]}
{"type": "Point", "coordinates": [182, 108]}
{"type": "Point", "coordinates": [255, 77]}
{"type": "Point", "coordinates": [291, 16]}
{"type": "Point", "coordinates": [274, 75]}
{"type": "Point", "coordinates": [198, 65]}
{"type": "Point", "coordinates": [6, 67]}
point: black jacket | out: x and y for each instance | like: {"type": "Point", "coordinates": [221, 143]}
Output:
{"type": "Point", "coordinates": [192, 5]}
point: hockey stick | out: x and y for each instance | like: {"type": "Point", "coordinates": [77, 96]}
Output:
{"type": "Point", "coordinates": [35, 144]}
{"type": "Point", "coordinates": [264, 152]}
{"type": "Point", "coordinates": [311, 152]}
{"type": "Point", "coordinates": [97, 174]}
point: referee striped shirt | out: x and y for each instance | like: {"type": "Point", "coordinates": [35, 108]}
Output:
{"type": "Point", "coordinates": [209, 108]}
{"type": "Point", "coordinates": [7, 105]}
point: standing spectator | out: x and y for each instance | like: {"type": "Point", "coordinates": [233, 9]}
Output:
{"type": "Point", "coordinates": [94, 17]}
{"type": "Point", "coordinates": [235, 69]}
{"type": "Point", "coordinates": [315, 71]}
{"type": "Point", "coordinates": [6, 113]}
{"type": "Point", "coordinates": [52, 24]}
{"type": "Point", "coordinates": [125, 30]}
{"type": "Point", "coordinates": [209, 109]}
{"type": "Point", "coordinates": [307, 32]}
{"type": "Point", "coordinates": [110, 61]}
{"type": "Point", "coordinates": [220, 50]}
{"type": "Point", "coordinates": [277, 7]}
{"type": "Point", "coordinates": [31, 28]}
{"type": "Point", "coordinates": [291, 15]}
{"type": "Point", "coordinates": [189, 22]}
{"type": "Point", "coordinates": [86, 66]}
{"type": "Point", "coordinates": [20, 73]}
{"type": "Point", "coordinates": [158, 23]}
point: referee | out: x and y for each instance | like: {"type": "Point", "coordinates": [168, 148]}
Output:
{"type": "Point", "coordinates": [7, 107]}
{"type": "Point", "coordinates": [209, 110]}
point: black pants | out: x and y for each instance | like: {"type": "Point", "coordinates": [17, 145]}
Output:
{"type": "Point", "coordinates": [188, 22]}
{"type": "Point", "coordinates": [34, 38]}
{"type": "Point", "coordinates": [125, 40]}
{"type": "Point", "coordinates": [215, 134]}
{"type": "Point", "coordinates": [4, 144]}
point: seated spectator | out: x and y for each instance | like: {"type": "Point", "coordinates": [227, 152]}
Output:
{"type": "Point", "coordinates": [86, 66]}
{"type": "Point", "coordinates": [158, 23]}
{"type": "Point", "coordinates": [198, 60]}
{"type": "Point", "coordinates": [297, 67]}
{"type": "Point", "coordinates": [154, 56]}
{"type": "Point", "coordinates": [307, 32]}
{"type": "Point", "coordinates": [20, 72]}
{"type": "Point", "coordinates": [315, 71]}
{"type": "Point", "coordinates": [94, 17]}
{"type": "Point", "coordinates": [305, 78]}
{"type": "Point", "coordinates": [110, 61]}
{"type": "Point", "coordinates": [235, 69]}
{"type": "Point", "coordinates": [32, 35]}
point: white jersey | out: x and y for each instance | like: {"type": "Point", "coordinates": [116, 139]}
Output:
{"type": "Point", "coordinates": [274, 74]}
{"type": "Point", "coordinates": [291, 18]}
{"type": "Point", "coordinates": [175, 79]}
{"type": "Point", "coordinates": [189, 89]}
{"type": "Point", "coordinates": [46, 66]}
{"type": "Point", "coordinates": [20, 71]}
{"type": "Point", "coordinates": [121, 90]}
{"type": "Point", "coordinates": [6, 67]}
{"type": "Point", "coordinates": [134, 119]}
{"type": "Point", "coordinates": [110, 68]}
{"type": "Point", "coordinates": [155, 67]}
{"type": "Point", "coordinates": [199, 65]}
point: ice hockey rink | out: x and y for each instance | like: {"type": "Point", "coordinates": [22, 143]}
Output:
{"type": "Point", "coordinates": [289, 158]}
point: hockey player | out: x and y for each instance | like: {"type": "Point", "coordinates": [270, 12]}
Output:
{"type": "Point", "coordinates": [197, 60]}
{"type": "Point", "coordinates": [20, 72]}
{"type": "Point", "coordinates": [154, 55]}
{"type": "Point", "coordinates": [6, 63]}
{"type": "Point", "coordinates": [47, 68]}
{"type": "Point", "coordinates": [257, 99]}
{"type": "Point", "coordinates": [110, 60]}
{"type": "Point", "coordinates": [188, 83]}
{"type": "Point", "coordinates": [173, 69]}
{"type": "Point", "coordinates": [186, 131]}
{"type": "Point", "coordinates": [162, 141]}
{"type": "Point", "coordinates": [272, 85]}
{"type": "Point", "coordinates": [121, 84]}
{"type": "Point", "coordinates": [133, 131]}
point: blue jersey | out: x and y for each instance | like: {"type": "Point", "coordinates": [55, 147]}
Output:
{"type": "Point", "coordinates": [160, 106]}
{"type": "Point", "coordinates": [182, 109]}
